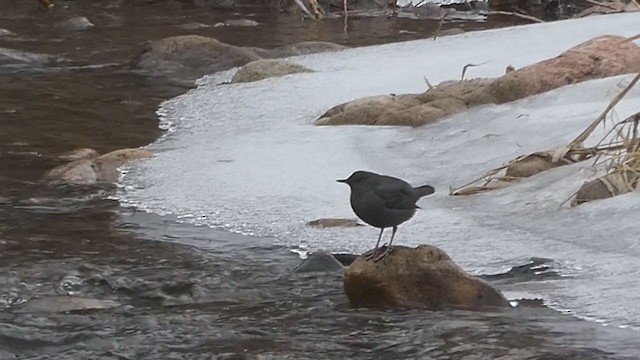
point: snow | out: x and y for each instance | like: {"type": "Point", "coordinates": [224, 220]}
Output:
{"type": "Point", "coordinates": [247, 159]}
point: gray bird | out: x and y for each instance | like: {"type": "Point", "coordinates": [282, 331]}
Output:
{"type": "Point", "coordinates": [383, 201]}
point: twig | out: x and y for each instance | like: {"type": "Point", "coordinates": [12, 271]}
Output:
{"type": "Point", "coordinates": [577, 142]}
{"type": "Point", "coordinates": [522, 16]}
{"type": "Point", "coordinates": [636, 37]}
{"type": "Point", "coordinates": [428, 83]}
{"type": "Point", "coordinates": [435, 36]}
{"type": "Point", "coordinates": [346, 15]}
{"type": "Point", "coordinates": [464, 68]}
{"type": "Point", "coordinates": [304, 9]}
{"type": "Point", "coordinates": [601, 4]}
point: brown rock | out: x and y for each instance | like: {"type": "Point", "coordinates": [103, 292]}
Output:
{"type": "Point", "coordinates": [79, 172]}
{"type": "Point", "coordinates": [325, 223]}
{"type": "Point", "coordinates": [616, 183]}
{"type": "Point", "coordinates": [262, 69]}
{"type": "Point", "coordinates": [422, 277]}
{"type": "Point", "coordinates": [304, 48]}
{"type": "Point", "coordinates": [469, 92]}
{"type": "Point", "coordinates": [597, 58]}
{"type": "Point", "coordinates": [411, 109]}
{"type": "Point", "coordinates": [101, 169]}
{"type": "Point", "coordinates": [533, 164]}
{"type": "Point", "coordinates": [79, 154]}
{"type": "Point", "coordinates": [374, 110]}
{"type": "Point", "coordinates": [191, 55]}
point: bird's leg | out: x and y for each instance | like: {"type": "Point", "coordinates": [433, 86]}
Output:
{"type": "Point", "coordinates": [375, 250]}
{"type": "Point", "coordinates": [389, 248]}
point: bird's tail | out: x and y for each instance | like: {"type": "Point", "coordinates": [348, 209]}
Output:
{"type": "Point", "coordinates": [425, 190]}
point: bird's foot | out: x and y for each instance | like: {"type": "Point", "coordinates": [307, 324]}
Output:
{"type": "Point", "coordinates": [374, 252]}
{"type": "Point", "coordinates": [383, 255]}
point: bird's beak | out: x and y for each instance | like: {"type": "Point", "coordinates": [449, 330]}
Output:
{"type": "Point", "coordinates": [342, 181]}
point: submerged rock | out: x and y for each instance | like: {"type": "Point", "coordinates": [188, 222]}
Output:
{"type": "Point", "coordinates": [319, 261]}
{"type": "Point", "coordinates": [4, 33]}
{"type": "Point", "coordinates": [51, 304]}
{"type": "Point", "coordinates": [79, 23]}
{"type": "Point", "coordinates": [79, 154]}
{"type": "Point", "coordinates": [191, 55]}
{"type": "Point", "coordinates": [421, 277]}
{"type": "Point", "coordinates": [263, 69]}
{"type": "Point", "coordinates": [325, 223]}
{"type": "Point", "coordinates": [18, 57]}
{"type": "Point", "coordinates": [97, 170]}
{"type": "Point", "coordinates": [304, 48]}
{"type": "Point", "coordinates": [238, 22]}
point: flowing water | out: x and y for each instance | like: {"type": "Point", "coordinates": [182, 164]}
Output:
{"type": "Point", "coordinates": [158, 288]}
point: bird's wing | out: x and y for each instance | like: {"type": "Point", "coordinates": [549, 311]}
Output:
{"type": "Point", "coordinates": [397, 198]}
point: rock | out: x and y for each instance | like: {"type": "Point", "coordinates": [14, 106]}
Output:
{"type": "Point", "coordinates": [304, 48]}
{"type": "Point", "coordinates": [100, 169]}
{"type": "Point", "coordinates": [79, 172]}
{"type": "Point", "coordinates": [319, 261]}
{"type": "Point", "coordinates": [412, 109]}
{"type": "Point", "coordinates": [450, 32]}
{"type": "Point", "coordinates": [79, 23]}
{"type": "Point", "coordinates": [23, 58]}
{"type": "Point", "coordinates": [193, 26]}
{"type": "Point", "coordinates": [108, 164]}
{"type": "Point", "coordinates": [597, 58]}
{"type": "Point", "coordinates": [325, 223]}
{"type": "Point", "coordinates": [4, 33]}
{"type": "Point", "coordinates": [345, 259]}
{"type": "Point", "coordinates": [263, 69]}
{"type": "Point", "coordinates": [238, 22]}
{"type": "Point", "coordinates": [616, 183]}
{"type": "Point", "coordinates": [373, 110]}
{"type": "Point", "coordinates": [52, 304]}
{"type": "Point", "coordinates": [79, 154]}
{"type": "Point", "coordinates": [534, 164]}
{"type": "Point", "coordinates": [421, 277]}
{"type": "Point", "coordinates": [191, 55]}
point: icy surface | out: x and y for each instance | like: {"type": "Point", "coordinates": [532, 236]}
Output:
{"type": "Point", "coordinates": [246, 158]}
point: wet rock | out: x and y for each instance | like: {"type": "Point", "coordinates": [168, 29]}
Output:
{"type": "Point", "coordinates": [191, 55]}
{"type": "Point", "coordinates": [421, 277]}
{"type": "Point", "coordinates": [452, 31]}
{"type": "Point", "coordinates": [263, 69]}
{"type": "Point", "coordinates": [4, 33]}
{"type": "Point", "coordinates": [52, 304]}
{"type": "Point", "coordinates": [597, 58]}
{"type": "Point", "coordinates": [325, 223]}
{"type": "Point", "coordinates": [193, 26]}
{"type": "Point", "coordinates": [345, 259]}
{"type": "Point", "coordinates": [80, 172]}
{"type": "Point", "coordinates": [319, 261]}
{"type": "Point", "coordinates": [238, 23]}
{"type": "Point", "coordinates": [98, 170]}
{"type": "Point", "coordinates": [17, 57]}
{"type": "Point", "coordinates": [80, 154]}
{"type": "Point", "coordinates": [616, 183]}
{"type": "Point", "coordinates": [304, 48]}
{"type": "Point", "coordinates": [79, 23]}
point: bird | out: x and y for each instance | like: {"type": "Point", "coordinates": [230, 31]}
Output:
{"type": "Point", "coordinates": [383, 202]}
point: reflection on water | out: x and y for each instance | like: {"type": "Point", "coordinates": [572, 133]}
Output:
{"type": "Point", "coordinates": [139, 292]}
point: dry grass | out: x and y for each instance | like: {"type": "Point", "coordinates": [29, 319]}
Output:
{"type": "Point", "coordinates": [618, 149]}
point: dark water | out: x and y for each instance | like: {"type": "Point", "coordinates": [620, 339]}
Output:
{"type": "Point", "coordinates": [172, 291]}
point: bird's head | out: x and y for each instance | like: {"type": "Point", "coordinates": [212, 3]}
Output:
{"type": "Point", "coordinates": [356, 177]}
